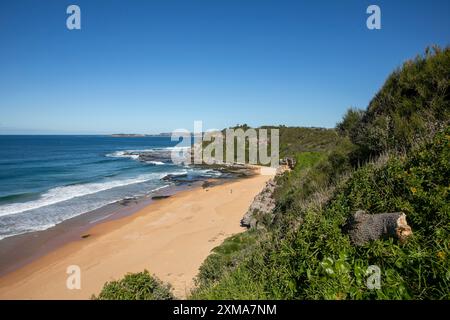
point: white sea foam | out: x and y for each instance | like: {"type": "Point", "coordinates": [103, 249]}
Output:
{"type": "Point", "coordinates": [156, 163]}
{"type": "Point", "coordinates": [34, 228]}
{"type": "Point", "coordinates": [177, 148]}
{"type": "Point", "coordinates": [212, 173]}
{"type": "Point", "coordinates": [134, 152]}
{"type": "Point", "coordinates": [176, 173]}
{"type": "Point", "coordinates": [122, 154]}
{"type": "Point", "coordinates": [179, 173]}
{"type": "Point", "coordinates": [64, 193]}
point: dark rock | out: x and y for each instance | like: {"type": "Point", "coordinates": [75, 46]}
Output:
{"type": "Point", "coordinates": [174, 177]}
{"type": "Point", "coordinates": [206, 184]}
{"type": "Point", "coordinates": [159, 197]}
{"type": "Point", "coordinates": [128, 201]}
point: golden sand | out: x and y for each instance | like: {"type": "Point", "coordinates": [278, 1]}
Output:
{"type": "Point", "coordinates": [170, 238]}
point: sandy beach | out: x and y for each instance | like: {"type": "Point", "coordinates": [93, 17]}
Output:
{"type": "Point", "coordinates": [170, 238]}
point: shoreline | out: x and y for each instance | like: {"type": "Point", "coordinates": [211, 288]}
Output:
{"type": "Point", "coordinates": [170, 237]}
{"type": "Point", "coordinates": [19, 250]}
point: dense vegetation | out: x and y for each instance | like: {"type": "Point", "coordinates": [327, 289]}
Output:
{"type": "Point", "coordinates": [316, 260]}
{"type": "Point", "coordinates": [136, 286]}
{"type": "Point", "coordinates": [412, 106]}
{"type": "Point", "coordinates": [393, 156]}
{"type": "Point", "coordinates": [292, 140]}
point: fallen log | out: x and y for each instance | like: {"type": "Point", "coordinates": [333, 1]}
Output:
{"type": "Point", "coordinates": [363, 227]}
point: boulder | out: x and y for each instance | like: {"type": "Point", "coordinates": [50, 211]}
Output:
{"type": "Point", "coordinates": [261, 208]}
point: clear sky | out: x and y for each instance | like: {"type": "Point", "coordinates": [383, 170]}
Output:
{"type": "Point", "coordinates": [157, 65]}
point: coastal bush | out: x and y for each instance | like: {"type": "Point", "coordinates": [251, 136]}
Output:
{"type": "Point", "coordinates": [235, 285]}
{"type": "Point", "coordinates": [225, 258]}
{"type": "Point", "coordinates": [291, 183]}
{"type": "Point", "coordinates": [412, 105]}
{"type": "Point", "coordinates": [350, 122]}
{"type": "Point", "coordinates": [313, 174]}
{"type": "Point", "coordinates": [293, 140]}
{"type": "Point", "coordinates": [392, 157]}
{"type": "Point", "coordinates": [317, 260]}
{"type": "Point", "coordinates": [136, 286]}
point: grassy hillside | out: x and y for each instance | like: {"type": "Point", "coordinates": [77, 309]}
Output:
{"type": "Point", "coordinates": [315, 260]}
{"type": "Point", "coordinates": [412, 106]}
{"type": "Point", "coordinates": [393, 156]}
{"type": "Point", "coordinates": [292, 140]}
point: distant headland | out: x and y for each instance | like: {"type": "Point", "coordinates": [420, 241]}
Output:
{"type": "Point", "coordinates": [138, 135]}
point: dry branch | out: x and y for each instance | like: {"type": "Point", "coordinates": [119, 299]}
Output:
{"type": "Point", "coordinates": [363, 227]}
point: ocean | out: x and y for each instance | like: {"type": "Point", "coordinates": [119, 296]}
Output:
{"type": "Point", "coordinates": [45, 180]}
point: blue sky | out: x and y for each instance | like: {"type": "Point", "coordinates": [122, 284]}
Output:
{"type": "Point", "coordinates": [154, 66]}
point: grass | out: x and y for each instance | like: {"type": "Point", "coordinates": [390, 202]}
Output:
{"type": "Point", "coordinates": [393, 156]}
{"type": "Point", "coordinates": [317, 261]}
{"type": "Point", "coordinates": [225, 258]}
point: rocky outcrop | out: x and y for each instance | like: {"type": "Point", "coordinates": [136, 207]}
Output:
{"type": "Point", "coordinates": [289, 162]}
{"type": "Point", "coordinates": [174, 177]}
{"type": "Point", "coordinates": [152, 156]}
{"type": "Point", "coordinates": [231, 170]}
{"type": "Point", "coordinates": [260, 212]}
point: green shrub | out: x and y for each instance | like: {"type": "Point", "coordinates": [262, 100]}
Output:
{"type": "Point", "coordinates": [411, 106]}
{"type": "Point", "coordinates": [317, 261]}
{"type": "Point", "coordinates": [136, 286]}
{"type": "Point", "coordinates": [392, 157]}
{"type": "Point", "coordinates": [350, 122]}
{"type": "Point", "coordinates": [224, 259]}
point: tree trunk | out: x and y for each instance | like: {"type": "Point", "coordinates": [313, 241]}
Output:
{"type": "Point", "coordinates": [363, 228]}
